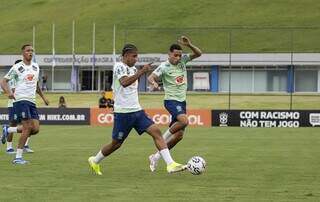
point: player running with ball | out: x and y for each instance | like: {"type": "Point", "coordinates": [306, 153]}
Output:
{"type": "Point", "coordinates": [128, 113]}
{"type": "Point", "coordinates": [173, 74]}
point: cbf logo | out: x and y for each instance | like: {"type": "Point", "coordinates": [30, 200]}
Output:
{"type": "Point", "coordinates": [179, 108]}
{"type": "Point", "coordinates": [180, 80]}
{"type": "Point", "coordinates": [314, 119]}
{"type": "Point", "coordinates": [223, 119]}
{"type": "Point", "coordinates": [29, 77]}
{"type": "Point", "coordinates": [120, 135]}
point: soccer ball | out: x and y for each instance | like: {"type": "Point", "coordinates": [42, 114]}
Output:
{"type": "Point", "coordinates": [196, 165]}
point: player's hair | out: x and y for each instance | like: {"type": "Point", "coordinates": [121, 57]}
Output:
{"type": "Point", "coordinates": [128, 48]}
{"type": "Point", "coordinates": [175, 47]}
{"type": "Point", "coordinates": [17, 61]}
{"type": "Point", "coordinates": [24, 46]}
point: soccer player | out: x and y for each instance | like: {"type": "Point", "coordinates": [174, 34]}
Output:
{"type": "Point", "coordinates": [25, 75]}
{"type": "Point", "coordinates": [173, 74]}
{"type": "Point", "coordinates": [128, 113]}
{"type": "Point", "coordinates": [13, 128]}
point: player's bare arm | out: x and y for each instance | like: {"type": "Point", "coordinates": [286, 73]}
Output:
{"type": "Point", "coordinates": [128, 80]}
{"type": "Point", "coordinates": [6, 89]}
{"type": "Point", "coordinates": [39, 91]}
{"type": "Point", "coordinates": [196, 52]}
{"type": "Point", "coordinates": [153, 78]}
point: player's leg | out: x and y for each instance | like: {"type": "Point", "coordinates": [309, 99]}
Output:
{"type": "Point", "coordinates": [10, 149]}
{"type": "Point", "coordinates": [174, 139]}
{"type": "Point", "coordinates": [173, 135]}
{"type": "Point", "coordinates": [24, 112]}
{"type": "Point", "coordinates": [34, 130]}
{"type": "Point", "coordinates": [121, 129]}
{"type": "Point", "coordinates": [144, 124]}
{"type": "Point", "coordinates": [180, 124]}
{"type": "Point", "coordinates": [6, 134]}
{"type": "Point", "coordinates": [161, 145]}
{"type": "Point", "coordinates": [179, 121]}
{"type": "Point", "coordinates": [176, 128]}
{"type": "Point", "coordinates": [104, 152]}
{"type": "Point", "coordinates": [171, 141]}
{"type": "Point", "coordinates": [26, 131]}
{"type": "Point", "coordinates": [35, 126]}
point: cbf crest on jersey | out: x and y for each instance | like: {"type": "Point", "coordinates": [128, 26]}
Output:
{"type": "Point", "coordinates": [29, 77]}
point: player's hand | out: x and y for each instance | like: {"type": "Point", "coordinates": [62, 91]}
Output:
{"type": "Point", "coordinates": [146, 68]}
{"type": "Point", "coordinates": [155, 86]}
{"type": "Point", "coordinates": [46, 101]}
{"type": "Point", "coordinates": [11, 96]}
{"type": "Point", "coordinates": [185, 41]}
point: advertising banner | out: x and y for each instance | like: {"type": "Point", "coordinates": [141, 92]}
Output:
{"type": "Point", "coordinates": [199, 118]}
{"type": "Point", "coordinates": [57, 116]}
{"type": "Point", "coordinates": [266, 118]}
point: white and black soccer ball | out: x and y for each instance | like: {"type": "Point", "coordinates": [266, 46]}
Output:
{"type": "Point", "coordinates": [196, 165]}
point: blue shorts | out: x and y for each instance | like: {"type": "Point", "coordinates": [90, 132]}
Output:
{"type": "Point", "coordinates": [175, 108]}
{"type": "Point", "coordinates": [25, 110]}
{"type": "Point", "coordinates": [124, 122]}
{"type": "Point", "coordinates": [11, 113]}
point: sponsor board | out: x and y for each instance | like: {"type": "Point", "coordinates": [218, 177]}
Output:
{"type": "Point", "coordinates": [266, 118]}
{"type": "Point", "coordinates": [101, 117]}
{"type": "Point", "coordinates": [201, 118]}
{"type": "Point", "coordinates": [57, 116]}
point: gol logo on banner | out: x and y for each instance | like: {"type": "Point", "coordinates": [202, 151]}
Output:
{"type": "Point", "coordinates": [199, 118]}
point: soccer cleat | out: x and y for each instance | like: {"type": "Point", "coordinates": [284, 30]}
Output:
{"type": "Point", "coordinates": [4, 134]}
{"type": "Point", "coordinates": [10, 151]}
{"type": "Point", "coordinates": [94, 166]}
{"type": "Point", "coordinates": [27, 149]}
{"type": "Point", "coordinates": [19, 161]}
{"type": "Point", "coordinates": [176, 167]}
{"type": "Point", "coordinates": [153, 163]}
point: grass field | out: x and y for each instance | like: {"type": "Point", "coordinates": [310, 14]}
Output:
{"type": "Point", "coordinates": [194, 100]}
{"type": "Point", "coordinates": [243, 164]}
{"type": "Point", "coordinates": [16, 30]}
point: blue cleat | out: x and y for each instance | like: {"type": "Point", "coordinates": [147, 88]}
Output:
{"type": "Point", "coordinates": [19, 161]}
{"type": "Point", "coordinates": [10, 151]}
{"type": "Point", "coordinates": [4, 134]}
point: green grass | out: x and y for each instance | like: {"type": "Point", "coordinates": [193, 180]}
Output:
{"type": "Point", "coordinates": [244, 164]}
{"type": "Point", "coordinates": [18, 17]}
{"type": "Point", "coordinates": [194, 100]}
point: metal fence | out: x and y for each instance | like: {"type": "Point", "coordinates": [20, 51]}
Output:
{"type": "Point", "coordinates": [88, 38]}
{"type": "Point", "coordinates": [229, 40]}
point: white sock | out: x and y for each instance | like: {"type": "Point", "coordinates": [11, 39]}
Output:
{"type": "Point", "coordinates": [19, 153]}
{"type": "Point", "coordinates": [167, 135]}
{"type": "Point", "coordinates": [27, 142]}
{"type": "Point", "coordinates": [12, 129]}
{"type": "Point", "coordinates": [9, 145]}
{"type": "Point", "coordinates": [98, 157]}
{"type": "Point", "coordinates": [166, 156]}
